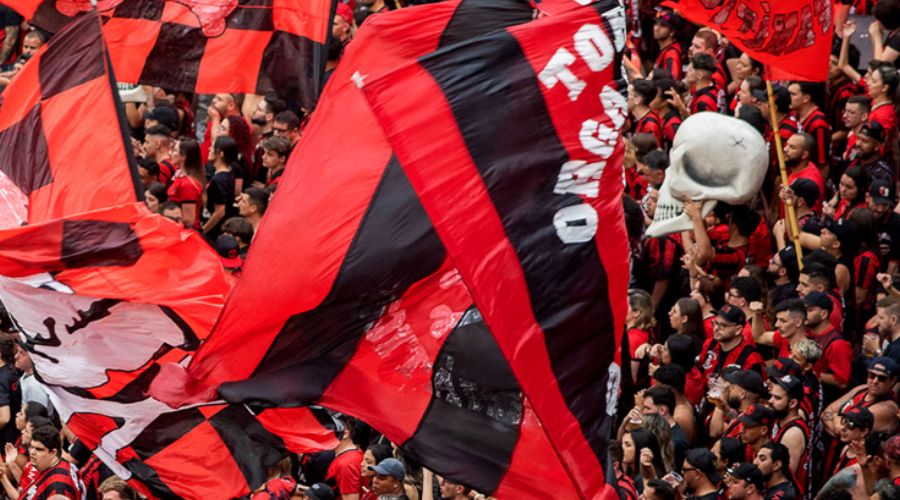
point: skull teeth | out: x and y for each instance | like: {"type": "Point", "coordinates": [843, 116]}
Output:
{"type": "Point", "coordinates": [665, 211]}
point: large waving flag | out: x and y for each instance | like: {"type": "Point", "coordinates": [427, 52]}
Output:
{"type": "Point", "coordinates": [370, 316]}
{"type": "Point", "coordinates": [210, 46]}
{"type": "Point", "coordinates": [512, 143]}
{"type": "Point", "coordinates": [791, 37]}
{"type": "Point", "coordinates": [103, 292]}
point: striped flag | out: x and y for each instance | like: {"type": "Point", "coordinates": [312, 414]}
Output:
{"type": "Point", "coordinates": [355, 297]}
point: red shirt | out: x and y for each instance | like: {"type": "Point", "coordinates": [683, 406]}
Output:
{"type": "Point", "coordinates": [650, 124]}
{"type": "Point", "coordinates": [781, 344]}
{"type": "Point", "coordinates": [705, 99]}
{"type": "Point", "coordinates": [812, 173]}
{"type": "Point", "coordinates": [713, 359]}
{"type": "Point", "coordinates": [670, 59]}
{"type": "Point", "coordinates": [346, 470]}
{"type": "Point", "coordinates": [636, 338]}
{"type": "Point", "coordinates": [816, 124]}
{"type": "Point", "coordinates": [694, 386]}
{"type": "Point", "coordinates": [836, 356]}
{"type": "Point", "coordinates": [885, 115]}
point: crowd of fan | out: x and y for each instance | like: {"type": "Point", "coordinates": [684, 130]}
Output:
{"type": "Point", "coordinates": [752, 373]}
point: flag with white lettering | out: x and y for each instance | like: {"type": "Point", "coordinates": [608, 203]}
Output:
{"type": "Point", "coordinates": [355, 303]}
{"type": "Point", "coordinates": [791, 37]}
{"type": "Point", "coordinates": [512, 143]}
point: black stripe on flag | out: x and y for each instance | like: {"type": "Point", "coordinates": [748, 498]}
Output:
{"type": "Point", "coordinates": [288, 62]}
{"type": "Point", "coordinates": [567, 283]}
{"type": "Point", "coordinates": [253, 448]}
{"type": "Point", "coordinates": [188, 43]}
{"type": "Point", "coordinates": [394, 248]}
{"type": "Point", "coordinates": [474, 18]}
{"type": "Point", "coordinates": [475, 395]}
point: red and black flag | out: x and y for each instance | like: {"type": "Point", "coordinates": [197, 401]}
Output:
{"type": "Point", "coordinates": [512, 143]}
{"type": "Point", "coordinates": [354, 303]}
{"type": "Point", "coordinates": [65, 87]}
{"type": "Point", "coordinates": [103, 292]}
{"type": "Point", "coordinates": [208, 46]}
{"type": "Point", "coordinates": [791, 37]}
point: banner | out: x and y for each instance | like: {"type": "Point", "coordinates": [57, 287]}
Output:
{"type": "Point", "coordinates": [512, 142]}
{"type": "Point", "coordinates": [791, 37]}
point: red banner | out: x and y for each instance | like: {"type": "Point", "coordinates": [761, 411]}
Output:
{"type": "Point", "coordinates": [791, 37]}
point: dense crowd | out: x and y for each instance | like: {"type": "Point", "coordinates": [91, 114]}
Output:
{"type": "Point", "coordinates": [760, 357]}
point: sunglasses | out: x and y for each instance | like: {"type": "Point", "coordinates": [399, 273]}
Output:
{"type": "Point", "coordinates": [880, 377]}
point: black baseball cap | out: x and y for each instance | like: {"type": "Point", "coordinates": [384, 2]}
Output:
{"type": "Point", "coordinates": [669, 18]}
{"type": "Point", "coordinates": [757, 415]}
{"type": "Point", "coordinates": [818, 299]}
{"type": "Point", "coordinates": [884, 365]}
{"type": "Point", "coordinates": [881, 192]}
{"type": "Point", "coordinates": [791, 384]}
{"type": "Point", "coordinates": [750, 473]}
{"type": "Point", "coordinates": [782, 96]}
{"type": "Point", "coordinates": [732, 314]}
{"type": "Point", "coordinates": [165, 115]}
{"type": "Point", "coordinates": [748, 380]}
{"type": "Point", "coordinates": [704, 461]}
{"type": "Point", "coordinates": [806, 189]}
{"type": "Point", "coordinates": [320, 491]}
{"type": "Point", "coordinates": [858, 417]}
{"type": "Point", "coordinates": [843, 229]}
{"type": "Point", "coordinates": [784, 366]}
{"type": "Point", "coordinates": [873, 130]}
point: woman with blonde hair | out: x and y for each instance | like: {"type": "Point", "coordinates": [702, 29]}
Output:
{"type": "Point", "coordinates": [639, 330]}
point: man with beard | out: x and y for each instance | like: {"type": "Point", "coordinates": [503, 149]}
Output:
{"type": "Point", "coordinates": [876, 395]}
{"type": "Point", "coordinates": [757, 420]}
{"type": "Point", "coordinates": [700, 477]}
{"type": "Point", "coordinates": [856, 114]}
{"type": "Point", "coordinates": [666, 25]}
{"type": "Point", "coordinates": [791, 429]}
{"type": "Point", "coordinates": [833, 368]}
{"type": "Point", "coordinates": [772, 460]}
{"type": "Point", "coordinates": [728, 347]}
{"type": "Point", "coordinates": [790, 318]}
{"type": "Point", "coordinates": [870, 139]}
{"type": "Point", "coordinates": [880, 200]}
{"type": "Point", "coordinates": [783, 271]}
{"type": "Point", "coordinates": [745, 482]}
{"type": "Point", "coordinates": [798, 151]}
{"type": "Point", "coordinates": [815, 276]}
{"type": "Point", "coordinates": [744, 389]}
{"type": "Point", "coordinates": [887, 314]}
{"type": "Point", "coordinates": [262, 123]}
{"type": "Point", "coordinates": [854, 424]}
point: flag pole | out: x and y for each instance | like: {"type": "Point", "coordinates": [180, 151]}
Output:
{"type": "Point", "coordinates": [789, 205]}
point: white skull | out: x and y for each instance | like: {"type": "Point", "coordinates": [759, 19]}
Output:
{"type": "Point", "coordinates": [714, 158]}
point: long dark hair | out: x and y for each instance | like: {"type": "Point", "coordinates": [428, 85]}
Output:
{"type": "Point", "coordinates": [240, 132]}
{"type": "Point", "coordinates": [693, 326]}
{"type": "Point", "coordinates": [193, 165]}
{"type": "Point", "coordinates": [862, 186]}
{"type": "Point", "coordinates": [228, 147]}
{"type": "Point", "coordinates": [645, 439]}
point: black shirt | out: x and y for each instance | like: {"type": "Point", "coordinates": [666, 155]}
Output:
{"type": "Point", "coordinates": [10, 395]}
{"type": "Point", "coordinates": [783, 491]}
{"type": "Point", "coordinates": [220, 191]}
{"type": "Point", "coordinates": [680, 440]}
{"type": "Point", "coordinates": [9, 17]}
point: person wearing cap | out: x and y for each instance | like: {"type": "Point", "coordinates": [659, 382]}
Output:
{"type": "Point", "coordinates": [876, 395]}
{"type": "Point", "coordinates": [665, 27]}
{"type": "Point", "coordinates": [855, 423]}
{"type": "Point", "coordinates": [164, 115]}
{"type": "Point", "coordinates": [700, 70]}
{"type": "Point", "coordinates": [388, 480]}
{"type": "Point", "coordinates": [869, 142]}
{"type": "Point", "coordinates": [805, 195]}
{"type": "Point", "coordinates": [887, 315]}
{"type": "Point", "coordinates": [791, 428]}
{"type": "Point", "coordinates": [833, 368]}
{"type": "Point", "coordinates": [816, 276]}
{"type": "Point", "coordinates": [790, 318]}
{"type": "Point", "coordinates": [744, 389]}
{"type": "Point", "coordinates": [772, 460]}
{"type": "Point", "coordinates": [701, 480]}
{"type": "Point", "coordinates": [728, 347]}
{"type": "Point", "coordinates": [840, 238]}
{"type": "Point", "coordinates": [787, 123]}
{"type": "Point", "coordinates": [318, 491]}
{"type": "Point", "coordinates": [757, 420]}
{"type": "Point", "coordinates": [880, 200]}
{"type": "Point", "coordinates": [745, 482]}
{"type": "Point", "coordinates": [784, 271]}
{"type": "Point", "coordinates": [742, 291]}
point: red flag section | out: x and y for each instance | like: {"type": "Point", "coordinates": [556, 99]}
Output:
{"type": "Point", "coordinates": [354, 303]}
{"type": "Point", "coordinates": [239, 46]}
{"type": "Point", "coordinates": [103, 292]}
{"type": "Point", "coordinates": [55, 92]}
{"type": "Point", "coordinates": [512, 143]}
{"type": "Point", "coordinates": [791, 37]}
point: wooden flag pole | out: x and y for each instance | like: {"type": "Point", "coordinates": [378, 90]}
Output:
{"type": "Point", "coordinates": [779, 151]}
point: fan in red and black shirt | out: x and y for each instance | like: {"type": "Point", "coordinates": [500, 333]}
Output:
{"type": "Point", "coordinates": [833, 368]}
{"type": "Point", "coordinates": [56, 478]}
{"type": "Point", "coordinates": [812, 120]}
{"type": "Point", "coordinates": [699, 75]}
{"type": "Point", "coordinates": [727, 347]}
{"type": "Point", "coordinates": [667, 24]}
{"type": "Point", "coordinates": [640, 94]}
{"type": "Point", "coordinates": [670, 117]}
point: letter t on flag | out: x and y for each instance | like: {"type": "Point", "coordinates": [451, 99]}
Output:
{"type": "Point", "coordinates": [512, 142]}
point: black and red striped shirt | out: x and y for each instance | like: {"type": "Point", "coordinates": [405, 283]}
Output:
{"type": "Point", "coordinates": [671, 121]}
{"type": "Point", "coordinates": [705, 99]}
{"type": "Point", "coordinates": [670, 59]}
{"type": "Point", "coordinates": [816, 124]}
{"type": "Point", "coordinates": [60, 480]}
{"type": "Point", "coordinates": [650, 124]}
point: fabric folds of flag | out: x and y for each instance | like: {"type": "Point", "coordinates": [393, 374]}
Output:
{"type": "Point", "coordinates": [103, 292]}
{"type": "Point", "coordinates": [512, 143]}
{"type": "Point", "coordinates": [65, 87]}
{"type": "Point", "coordinates": [237, 46]}
{"type": "Point", "coordinates": [351, 298]}
{"type": "Point", "coordinates": [791, 37]}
